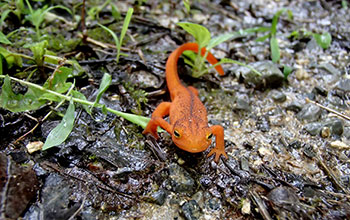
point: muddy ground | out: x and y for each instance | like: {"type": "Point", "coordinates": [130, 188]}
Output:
{"type": "Point", "coordinates": [287, 135]}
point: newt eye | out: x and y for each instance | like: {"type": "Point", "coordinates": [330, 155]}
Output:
{"type": "Point", "coordinates": [209, 136]}
{"type": "Point", "coordinates": [177, 134]}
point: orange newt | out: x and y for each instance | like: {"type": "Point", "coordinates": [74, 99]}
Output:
{"type": "Point", "coordinates": [188, 117]}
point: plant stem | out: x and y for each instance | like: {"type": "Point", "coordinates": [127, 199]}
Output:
{"type": "Point", "coordinates": [68, 98]}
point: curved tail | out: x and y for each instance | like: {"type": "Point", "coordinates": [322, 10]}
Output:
{"type": "Point", "coordinates": [172, 77]}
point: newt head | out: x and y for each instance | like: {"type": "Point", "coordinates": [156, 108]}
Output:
{"type": "Point", "coordinates": [191, 139]}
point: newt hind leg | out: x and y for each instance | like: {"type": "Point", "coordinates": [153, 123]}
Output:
{"type": "Point", "coordinates": [157, 120]}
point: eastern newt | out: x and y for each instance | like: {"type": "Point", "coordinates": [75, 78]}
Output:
{"type": "Point", "coordinates": [188, 125]}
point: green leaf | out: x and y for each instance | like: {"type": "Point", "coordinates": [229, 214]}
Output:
{"type": "Point", "coordinates": [11, 58]}
{"type": "Point", "coordinates": [200, 33]}
{"type": "Point", "coordinates": [136, 119]}
{"type": "Point", "coordinates": [116, 40]}
{"type": "Point", "coordinates": [275, 21]}
{"type": "Point", "coordinates": [79, 95]}
{"type": "Point", "coordinates": [19, 103]}
{"type": "Point", "coordinates": [228, 60]}
{"type": "Point", "coordinates": [3, 39]}
{"type": "Point", "coordinates": [219, 39]}
{"type": "Point", "coordinates": [124, 29]}
{"type": "Point", "coordinates": [323, 40]}
{"type": "Point", "coordinates": [254, 30]}
{"type": "Point", "coordinates": [60, 133]}
{"type": "Point", "coordinates": [275, 50]}
{"type": "Point", "coordinates": [1, 69]}
{"type": "Point", "coordinates": [38, 49]}
{"type": "Point", "coordinates": [286, 71]}
{"type": "Point", "coordinates": [263, 38]}
{"type": "Point", "coordinates": [115, 12]}
{"type": "Point", "coordinates": [58, 82]}
{"type": "Point", "coordinates": [105, 82]}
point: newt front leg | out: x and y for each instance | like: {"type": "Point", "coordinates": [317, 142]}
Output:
{"type": "Point", "coordinates": [157, 120]}
{"type": "Point", "coordinates": [219, 148]}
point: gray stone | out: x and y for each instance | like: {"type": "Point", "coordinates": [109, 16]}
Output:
{"type": "Point", "coordinates": [343, 85]}
{"type": "Point", "coordinates": [313, 128]}
{"type": "Point", "coordinates": [271, 77]}
{"type": "Point", "coordinates": [180, 179]}
{"type": "Point", "coordinates": [309, 112]}
{"type": "Point", "coordinates": [191, 210]}
{"type": "Point", "coordinates": [242, 102]}
{"type": "Point", "coordinates": [278, 96]}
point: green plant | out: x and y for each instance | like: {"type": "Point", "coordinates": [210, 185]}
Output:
{"type": "Point", "coordinates": [36, 17]}
{"type": "Point", "coordinates": [16, 7]}
{"type": "Point", "coordinates": [53, 89]}
{"type": "Point", "coordinates": [203, 38]}
{"type": "Point", "coordinates": [119, 42]}
{"type": "Point", "coordinates": [139, 95]}
{"type": "Point", "coordinates": [187, 5]}
{"type": "Point", "coordinates": [272, 32]}
{"type": "Point", "coordinates": [323, 40]}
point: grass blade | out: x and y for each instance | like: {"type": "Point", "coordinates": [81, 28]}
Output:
{"type": "Point", "coordinates": [275, 50]}
{"type": "Point", "coordinates": [124, 29]}
{"type": "Point", "coordinates": [105, 82]}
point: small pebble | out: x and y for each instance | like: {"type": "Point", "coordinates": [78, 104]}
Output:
{"type": "Point", "coordinates": [340, 145]}
{"type": "Point", "coordinates": [34, 146]}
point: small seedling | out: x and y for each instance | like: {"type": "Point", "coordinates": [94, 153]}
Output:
{"type": "Point", "coordinates": [203, 38]}
{"type": "Point", "coordinates": [36, 17]}
{"type": "Point", "coordinates": [118, 42]}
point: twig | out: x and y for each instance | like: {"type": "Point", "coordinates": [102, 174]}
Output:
{"type": "Point", "coordinates": [330, 174]}
{"type": "Point", "coordinates": [101, 44]}
{"type": "Point", "coordinates": [261, 205]}
{"type": "Point", "coordinates": [328, 109]}
{"type": "Point", "coordinates": [79, 209]}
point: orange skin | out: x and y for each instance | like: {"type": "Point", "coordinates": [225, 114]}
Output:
{"type": "Point", "coordinates": [188, 117]}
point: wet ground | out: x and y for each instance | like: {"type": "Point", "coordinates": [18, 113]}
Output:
{"type": "Point", "coordinates": [287, 136]}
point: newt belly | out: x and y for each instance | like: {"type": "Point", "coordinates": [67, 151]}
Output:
{"type": "Point", "coordinates": [188, 123]}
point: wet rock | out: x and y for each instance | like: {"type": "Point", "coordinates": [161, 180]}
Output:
{"type": "Point", "coordinates": [309, 151]}
{"type": "Point", "coordinates": [343, 85]}
{"type": "Point", "coordinates": [159, 197]}
{"type": "Point", "coordinates": [205, 181]}
{"type": "Point", "coordinates": [263, 123]}
{"type": "Point", "coordinates": [283, 197]}
{"type": "Point", "coordinates": [346, 133]}
{"type": "Point", "coordinates": [55, 200]}
{"type": "Point", "coordinates": [336, 101]}
{"type": "Point", "coordinates": [191, 210]}
{"type": "Point", "coordinates": [313, 128]}
{"type": "Point", "coordinates": [309, 112]}
{"type": "Point", "coordinates": [213, 204]}
{"type": "Point", "coordinates": [271, 77]}
{"type": "Point", "coordinates": [180, 179]}
{"type": "Point", "coordinates": [145, 79]}
{"type": "Point", "coordinates": [329, 68]}
{"type": "Point", "coordinates": [278, 96]}
{"type": "Point", "coordinates": [320, 90]}
{"type": "Point", "coordinates": [242, 102]}
{"type": "Point", "coordinates": [295, 106]}
{"type": "Point", "coordinates": [18, 186]}
{"type": "Point", "coordinates": [335, 125]}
